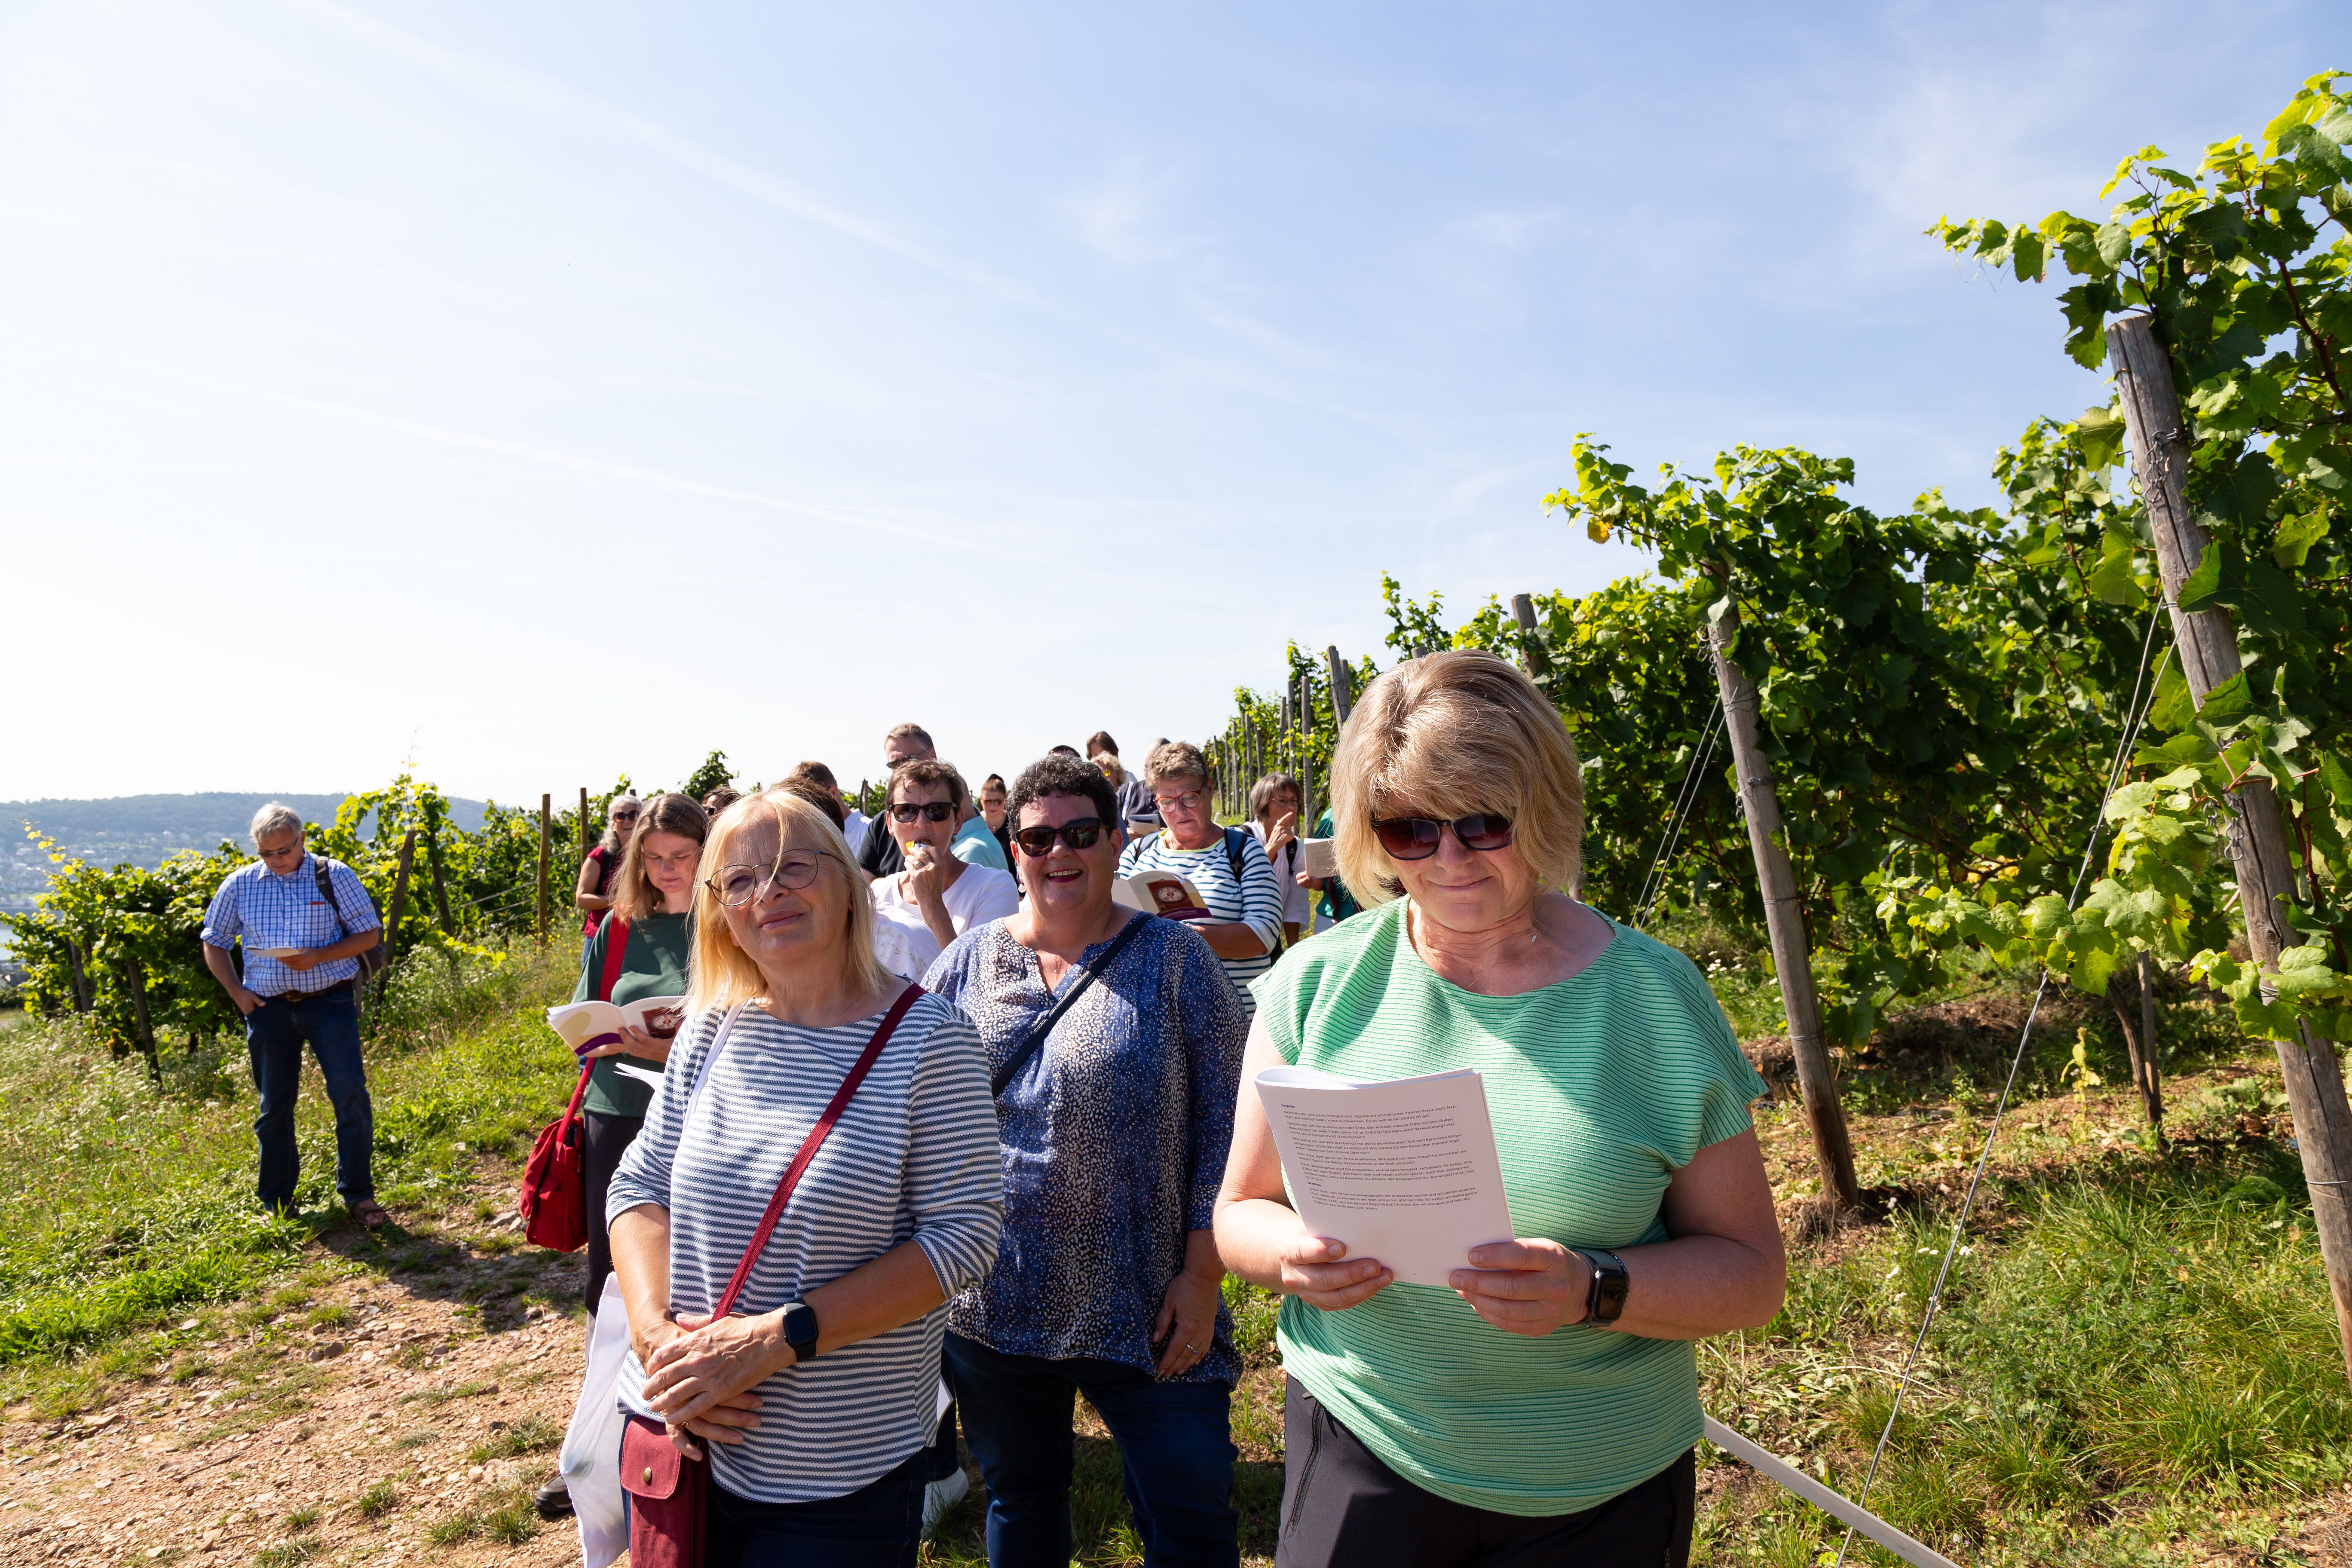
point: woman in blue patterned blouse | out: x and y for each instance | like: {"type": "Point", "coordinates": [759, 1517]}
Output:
{"type": "Point", "coordinates": [1114, 1134]}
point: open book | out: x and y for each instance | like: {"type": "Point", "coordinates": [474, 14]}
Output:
{"type": "Point", "coordinates": [1161, 893]}
{"type": "Point", "coordinates": [584, 1025]}
{"type": "Point", "coordinates": [1403, 1171]}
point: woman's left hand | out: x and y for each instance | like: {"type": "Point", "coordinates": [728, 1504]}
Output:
{"type": "Point", "coordinates": [637, 1043]}
{"type": "Point", "coordinates": [1522, 1287]}
{"type": "Point", "coordinates": [693, 1376]}
{"type": "Point", "coordinates": [1187, 1322]}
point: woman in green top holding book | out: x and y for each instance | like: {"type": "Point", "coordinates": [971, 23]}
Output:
{"type": "Point", "coordinates": [1544, 1408]}
{"type": "Point", "coordinates": [653, 900]}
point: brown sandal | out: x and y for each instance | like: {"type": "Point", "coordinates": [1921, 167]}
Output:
{"type": "Point", "coordinates": [371, 1213]}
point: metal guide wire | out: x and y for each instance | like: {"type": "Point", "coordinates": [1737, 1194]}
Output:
{"type": "Point", "coordinates": [2143, 694]}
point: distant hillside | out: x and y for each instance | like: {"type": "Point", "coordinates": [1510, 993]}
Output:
{"type": "Point", "coordinates": [187, 821]}
{"type": "Point", "coordinates": [142, 830]}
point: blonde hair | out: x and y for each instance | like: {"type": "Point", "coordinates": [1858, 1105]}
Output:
{"type": "Point", "coordinates": [1177, 760]}
{"type": "Point", "coordinates": [722, 974]}
{"type": "Point", "coordinates": [1112, 768]}
{"type": "Point", "coordinates": [635, 897]}
{"type": "Point", "coordinates": [1446, 735]}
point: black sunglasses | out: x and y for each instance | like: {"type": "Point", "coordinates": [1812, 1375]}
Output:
{"type": "Point", "coordinates": [929, 810]}
{"type": "Point", "coordinates": [1038, 842]}
{"type": "Point", "coordinates": [1415, 837]}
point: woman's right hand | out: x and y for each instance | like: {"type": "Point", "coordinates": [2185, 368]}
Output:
{"type": "Point", "coordinates": [1319, 1271]}
{"type": "Point", "coordinates": [922, 875]}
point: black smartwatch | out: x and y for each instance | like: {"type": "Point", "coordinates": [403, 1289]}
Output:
{"type": "Point", "coordinates": [800, 1329]}
{"type": "Point", "coordinates": [1604, 1296]}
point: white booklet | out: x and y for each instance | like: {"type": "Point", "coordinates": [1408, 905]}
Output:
{"type": "Point", "coordinates": [584, 1025]}
{"type": "Point", "coordinates": [1317, 858]}
{"type": "Point", "coordinates": [1161, 893]}
{"type": "Point", "coordinates": [1403, 1171]}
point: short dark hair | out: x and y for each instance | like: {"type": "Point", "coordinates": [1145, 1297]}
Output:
{"type": "Point", "coordinates": [1100, 741]}
{"type": "Point", "coordinates": [818, 772]}
{"type": "Point", "coordinates": [823, 797]}
{"type": "Point", "coordinates": [1063, 752]}
{"type": "Point", "coordinates": [911, 732]}
{"type": "Point", "coordinates": [925, 771]}
{"type": "Point", "coordinates": [1062, 775]}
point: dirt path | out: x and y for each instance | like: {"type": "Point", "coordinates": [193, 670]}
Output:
{"type": "Point", "coordinates": [398, 1404]}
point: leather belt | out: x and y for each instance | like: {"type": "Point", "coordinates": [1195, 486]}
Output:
{"type": "Point", "coordinates": [312, 995]}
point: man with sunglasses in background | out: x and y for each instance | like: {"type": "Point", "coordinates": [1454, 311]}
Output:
{"type": "Point", "coordinates": [939, 895]}
{"type": "Point", "coordinates": [1236, 881]}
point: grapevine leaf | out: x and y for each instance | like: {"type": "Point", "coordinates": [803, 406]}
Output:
{"type": "Point", "coordinates": [2197, 589]}
{"type": "Point", "coordinates": [2297, 535]}
{"type": "Point", "coordinates": [2100, 435]}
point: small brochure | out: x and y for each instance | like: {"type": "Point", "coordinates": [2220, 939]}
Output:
{"type": "Point", "coordinates": [584, 1025]}
{"type": "Point", "coordinates": [1317, 858]}
{"type": "Point", "coordinates": [1403, 1171]}
{"type": "Point", "coordinates": [1161, 893]}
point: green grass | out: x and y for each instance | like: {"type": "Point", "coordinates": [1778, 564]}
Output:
{"type": "Point", "coordinates": [123, 1209]}
{"type": "Point", "coordinates": [380, 1499]}
{"type": "Point", "coordinates": [530, 1436]}
{"type": "Point", "coordinates": [2132, 1334]}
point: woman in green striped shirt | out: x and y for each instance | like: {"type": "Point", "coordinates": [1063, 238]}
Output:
{"type": "Point", "coordinates": [1543, 1410]}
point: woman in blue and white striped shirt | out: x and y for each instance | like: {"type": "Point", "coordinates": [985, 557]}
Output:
{"type": "Point", "coordinates": [820, 1395]}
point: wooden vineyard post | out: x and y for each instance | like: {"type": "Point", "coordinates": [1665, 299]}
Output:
{"type": "Point", "coordinates": [399, 898]}
{"type": "Point", "coordinates": [2206, 643]}
{"type": "Point", "coordinates": [440, 889]}
{"type": "Point", "coordinates": [1343, 693]}
{"type": "Point", "coordinates": [1306, 824]}
{"type": "Point", "coordinates": [1533, 657]}
{"type": "Point", "coordinates": [137, 980]}
{"type": "Point", "coordinates": [81, 999]}
{"type": "Point", "coordinates": [546, 830]}
{"type": "Point", "coordinates": [1784, 918]}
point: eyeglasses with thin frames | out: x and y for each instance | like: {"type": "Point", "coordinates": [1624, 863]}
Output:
{"type": "Point", "coordinates": [1190, 801]}
{"type": "Point", "coordinates": [739, 885]}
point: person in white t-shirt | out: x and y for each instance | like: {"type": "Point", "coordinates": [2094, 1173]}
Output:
{"type": "Point", "coordinates": [938, 898]}
{"type": "Point", "coordinates": [1273, 807]}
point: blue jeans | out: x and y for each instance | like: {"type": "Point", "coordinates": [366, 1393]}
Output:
{"type": "Point", "coordinates": [1175, 1446]}
{"type": "Point", "coordinates": [879, 1524]}
{"type": "Point", "coordinates": [275, 1033]}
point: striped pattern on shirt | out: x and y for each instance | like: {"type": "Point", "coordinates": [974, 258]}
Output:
{"type": "Point", "coordinates": [1601, 1087]}
{"type": "Point", "coordinates": [914, 1157]}
{"type": "Point", "coordinates": [1255, 900]}
{"type": "Point", "coordinates": [264, 910]}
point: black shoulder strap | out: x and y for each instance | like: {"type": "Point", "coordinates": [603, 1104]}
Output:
{"type": "Point", "coordinates": [1235, 840]}
{"type": "Point", "coordinates": [319, 874]}
{"type": "Point", "coordinates": [1012, 1070]}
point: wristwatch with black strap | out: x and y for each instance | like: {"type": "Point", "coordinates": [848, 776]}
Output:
{"type": "Point", "coordinates": [1604, 1295]}
{"type": "Point", "coordinates": [800, 1331]}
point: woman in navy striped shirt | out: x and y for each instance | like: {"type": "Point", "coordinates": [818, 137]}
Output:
{"type": "Point", "coordinates": [820, 1394]}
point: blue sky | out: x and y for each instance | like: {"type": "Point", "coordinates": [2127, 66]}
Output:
{"type": "Point", "coordinates": [536, 392]}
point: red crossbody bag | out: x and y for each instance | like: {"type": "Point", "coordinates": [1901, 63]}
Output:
{"type": "Point", "coordinates": [670, 1494]}
{"type": "Point", "coordinates": [554, 1199]}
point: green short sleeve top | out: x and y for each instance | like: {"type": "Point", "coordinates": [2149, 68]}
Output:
{"type": "Point", "coordinates": [653, 965]}
{"type": "Point", "coordinates": [1601, 1086]}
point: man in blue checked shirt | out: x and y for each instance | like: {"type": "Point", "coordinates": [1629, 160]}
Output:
{"type": "Point", "coordinates": [299, 985]}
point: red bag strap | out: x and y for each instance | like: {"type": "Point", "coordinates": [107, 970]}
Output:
{"type": "Point", "coordinates": [616, 947]}
{"type": "Point", "coordinates": [579, 1091]}
{"type": "Point", "coordinates": [808, 1145]}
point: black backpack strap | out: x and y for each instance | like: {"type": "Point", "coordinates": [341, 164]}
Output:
{"type": "Point", "coordinates": [320, 874]}
{"type": "Point", "coordinates": [1237, 843]}
{"type": "Point", "coordinates": [1012, 1070]}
